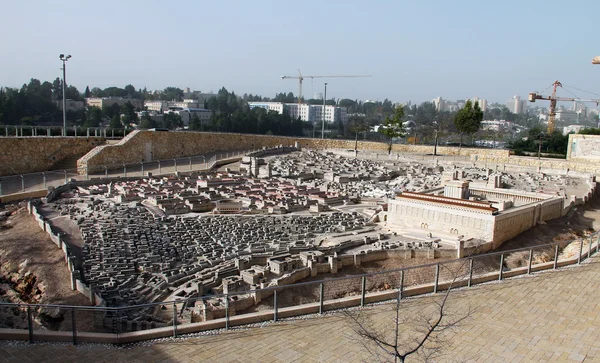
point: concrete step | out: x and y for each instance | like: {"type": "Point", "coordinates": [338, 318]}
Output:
{"type": "Point", "coordinates": [70, 162]}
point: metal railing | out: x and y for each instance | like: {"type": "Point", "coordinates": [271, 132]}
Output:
{"type": "Point", "coordinates": [41, 181]}
{"type": "Point", "coordinates": [40, 322]}
{"type": "Point", "coordinates": [52, 131]}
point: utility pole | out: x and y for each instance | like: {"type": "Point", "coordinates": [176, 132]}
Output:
{"type": "Point", "coordinates": [323, 113]}
{"type": "Point", "coordinates": [64, 82]}
{"type": "Point", "coordinates": [436, 138]}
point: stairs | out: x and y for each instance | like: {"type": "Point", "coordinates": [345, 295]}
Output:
{"type": "Point", "coordinates": [68, 163]}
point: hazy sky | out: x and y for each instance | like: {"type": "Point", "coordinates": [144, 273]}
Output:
{"type": "Point", "coordinates": [415, 50]}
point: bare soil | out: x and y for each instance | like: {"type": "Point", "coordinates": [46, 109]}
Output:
{"type": "Point", "coordinates": [32, 270]}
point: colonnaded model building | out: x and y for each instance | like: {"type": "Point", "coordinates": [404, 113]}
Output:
{"type": "Point", "coordinates": [461, 211]}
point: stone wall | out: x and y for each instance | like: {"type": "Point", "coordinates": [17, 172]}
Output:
{"type": "Point", "coordinates": [146, 146]}
{"type": "Point", "coordinates": [21, 155]}
{"type": "Point", "coordinates": [583, 148]}
{"type": "Point", "coordinates": [590, 166]}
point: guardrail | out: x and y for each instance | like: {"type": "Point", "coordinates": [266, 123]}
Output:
{"type": "Point", "coordinates": [50, 131]}
{"type": "Point", "coordinates": [33, 322]}
{"type": "Point", "coordinates": [41, 181]}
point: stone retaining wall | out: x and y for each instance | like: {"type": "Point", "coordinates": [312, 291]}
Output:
{"type": "Point", "coordinates": [146, 146]}
{"type": "Point", "coordinates": [22, 155]}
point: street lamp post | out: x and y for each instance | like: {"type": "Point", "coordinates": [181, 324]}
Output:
{"type": "Point", "coordinates": [436, 138]}
{"type": "Point", "coordinates": [323, 113]}
{"type": "Point", "coordinates": [64, 100]}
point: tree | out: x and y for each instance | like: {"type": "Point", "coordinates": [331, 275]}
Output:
{"type": "Point", "coordinates": [468, 119]}
{"type": "Point", "coordinates": [414, 334]}
{"type": "Point", "coordinates": [115, 122]}
{"type": "Point", "coordinates": [87, 93]}
{"type": "Point", "coordinates": [357, 124]}
{"type": "Point", "coordinates": [392, 126]}
{"type": "Point", "coordinates": [172, 120]}
{"type": "Point", "coordinates": [147, 123]}
{"type": "Point", "coordinates": [93, 117]}
{"type": "Point", "coordinates": [195, 123]}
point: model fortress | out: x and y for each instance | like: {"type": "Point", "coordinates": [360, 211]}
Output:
{"type": "Point", "coordinates": [462, 211]}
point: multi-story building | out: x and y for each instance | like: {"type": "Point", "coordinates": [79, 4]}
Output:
{"type": "Point", "coordinates": [517, 105]}
{"type": "Point", "coordinates": [100, 102]}
{"type": "Point", "coordinates": [312, 113]}
{"type": "Point", "coordinates": [482, 103]}
{"type": "Point", "coordinates": [162, 106]}
{"type": "Point", "coordinates": [187, 114]}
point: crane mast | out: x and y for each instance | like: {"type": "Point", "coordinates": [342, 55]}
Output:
{"type": "Point", "coordinates": [553, 99]}
{"type": "Point", "coordinates": [300, 78]}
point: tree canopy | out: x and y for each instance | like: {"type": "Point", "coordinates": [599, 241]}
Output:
{"type": "Point", "coordinates": [468, 119]}
{"type": "Point", "coordinates": [392, 126]}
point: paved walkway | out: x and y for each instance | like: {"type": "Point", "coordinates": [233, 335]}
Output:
{"type": "Point", "coordinates": [550, 317]}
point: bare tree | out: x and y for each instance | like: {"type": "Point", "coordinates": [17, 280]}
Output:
{"type": "Point", "coordinates": [422, 334]}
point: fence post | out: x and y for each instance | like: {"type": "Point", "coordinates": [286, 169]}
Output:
{"type": "Point", "coordinates": [555, 257]}
{"type": "Point", "coordinates": [226, 312]}
{"type": "Point", "coordinates": [469, 283]}
{"type": "Point", "coordinates": [159, 171]}
{"type": "Point", "coordinates": [401, 284]}
{"type": "Point", "coordinates": [437, 277]}
{"type": "Point", "coordinates": [175, 162]}
{"type": "Point", "coordinates": [22, 183]}
{"type": "Point", "coordinates": [363, 288]}
{"type": "Point", "coordinates": [74, 326]}
{"type": "Point", "coordinates": [321, 297]}
{"type": "Point", "coordinates": [501, 267]}
{"type": "Point", "coordinates": [580, 252]}
{"type": "Point", "coordinates": [275, 305]}
{"type": "Point", "coordinates": [190, 160]}
{"type": "Point", "coordinates": [142, 164]}
{"type": "Point", "coordinates": [174, 319]}
{"type": "Point", "coordinates": [125, 170]}
{"type": "Point", "coordinates": [30, 324]}
{"type": "Point", "coordinates": [66, 176]}
{"type": "Point", "coordinates": [106, 171]}
{"type": "Point", "coordinates": [530, 260]}
{"type": "Point", "coordinates": [0, 187]}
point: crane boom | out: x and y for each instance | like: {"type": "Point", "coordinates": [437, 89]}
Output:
{"type": "Point", "coordinates": [553, 99]}
{"type": "Point", "coordinates": [300, 78]}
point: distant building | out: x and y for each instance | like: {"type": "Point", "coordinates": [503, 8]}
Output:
{"type": "Point", "coordinates": [311, 113]}
{"type": "Point", "coordinates": [482, 103]}
{"type": "Point", "coordinates": [517, 105]}
{"type": "Point", "coordinates": [187, 114]}
{"type": "Point", "coordinates": [573, 129]}
{"type": "Point", "coordinates": [162, 106]}
{"type": "Point", "coordinates": [72, 105]}
{"type": "Point", "coordinates": [100, 102]}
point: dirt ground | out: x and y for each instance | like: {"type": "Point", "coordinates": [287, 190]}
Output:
{"type": "Point", "coordinates": [21, 239]}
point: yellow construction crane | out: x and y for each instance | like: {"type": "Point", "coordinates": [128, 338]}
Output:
{"type": "Point", "coordinates": [300, 78]}
{"type": "Point", "coordinates": [553, 99]}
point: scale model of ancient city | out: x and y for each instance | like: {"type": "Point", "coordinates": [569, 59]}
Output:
{"type": "Point", "coordinates": [281, 216]}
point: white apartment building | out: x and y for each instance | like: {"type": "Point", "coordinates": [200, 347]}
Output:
{"type": "Point", "coordinates": [161, 106]}
{"type": "Point", "coordinates": [187, 114]}
{"type": "Point", "coordinates": [481, 101]}
{"type": "Point", "coordinates": [312, 113]}
{"type": "Point", "coordinates": [517, 105]}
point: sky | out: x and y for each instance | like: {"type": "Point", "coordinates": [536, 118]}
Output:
{"type": "Point", "coordinates": [414, 50]}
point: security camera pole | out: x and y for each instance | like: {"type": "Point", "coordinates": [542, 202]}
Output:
{"type": "Point", "coordinates": [64, 103]}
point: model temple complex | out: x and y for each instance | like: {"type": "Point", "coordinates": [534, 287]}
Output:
{"type": "Point", "coordinates": [279, 219]}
